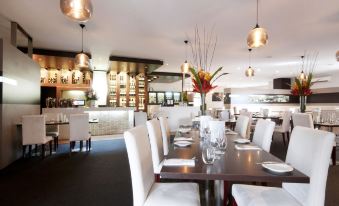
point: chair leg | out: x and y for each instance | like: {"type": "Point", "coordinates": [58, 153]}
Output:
{"type": "Point", "coordinates": [288, 137]}
{"type": "Point", "coordinates": [43, 151]}
{"type": "Point", "coordinates": [86, 145]}
{"type": "Point", "coordinates": [70, 148]}
{"type": "Point", "coordinates": [50, 147]}
{"type": "Point", "coordinates": [283, 136]}
{"type": "Point", "coordinates": [36, 149]}
{"type": "Point", "coordinates": [30, 150]}
{"type": "Point", "coordinates": [23, 151]}
{"type": "Point", "coordinates": [81, 145]}
{"type": "Point", "coordinates": [90, 144]}
{"type": "Point", "coordinates": [334, 156]}
{"type": "Point", "coordinates": [55, 139]}
{"type": "Point", "coordinates": [57, 142]}
{"type": "Point", "coordinates": [157, 177]}
{"type": "Point", "coordinates": [227, 190]}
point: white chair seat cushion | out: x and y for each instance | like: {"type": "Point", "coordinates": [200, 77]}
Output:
{"type": "Point", "coordinates": [250, 195]}
{"type": "Point", "coordinates": [169, 194]}
{"type": "Point", "coordinates": [44, 141]}
{"type": "Point", "coordinates": [53, 134]}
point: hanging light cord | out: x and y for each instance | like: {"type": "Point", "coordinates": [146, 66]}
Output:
{"type": "Point", "coordinates": [82, 37]}
{"type": "Point", "coordinates": [249, 57]}
{"type": "Point", "coordinates": [302, 66]}
{"type": "Point", "coordinates": [257, 13]}
{"type": "Point", "coordinates": [186, 42]}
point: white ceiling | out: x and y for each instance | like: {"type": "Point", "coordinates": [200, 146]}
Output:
{"type": "Point", "coordinates": [156, 29]}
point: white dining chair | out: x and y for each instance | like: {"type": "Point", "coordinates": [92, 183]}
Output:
{"type": "Point", "coordinates": [225, 115]}
{"type": "Point", "coordinates": [34, 133]}
{"type": "Point", "coordinates": [249, 115]}
{"type": "Point", "coordinates": [79, 131]}
{"type": "Point", "coordinates": [309, 152]}
{"type": "Point", "coordinates": [241, 125]}
{"type": "Point", "coordinates": [155, 139]}
{"type": "Point", "coordinates": [217, 128]}
{"type": "Point", "coordinates": [140, 118]}
{"type": "Point", "coordinates": [166, 134]}
{"type": "Point", "coordinates": [53, 130]}
{"type": "Point", "coordinates": [263, 134]}
{"type": "Point", "coordinates": [284, 128]}
{"type": "Point", "coordinates": [303, 120]}
{"type": "Point", "coordinates": [146, 192]}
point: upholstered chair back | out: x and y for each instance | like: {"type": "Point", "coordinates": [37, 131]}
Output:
{"type": "Point", "coordinates": [263, 134]}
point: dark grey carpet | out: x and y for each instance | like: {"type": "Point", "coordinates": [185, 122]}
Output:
{"type": "Point", "coordinates": [101, 177]}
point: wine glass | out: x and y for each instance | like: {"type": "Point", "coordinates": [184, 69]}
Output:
{"type": "Point", "coordinates": [221, 141]}
{"type": "Point", "coordinates": [208, 154]}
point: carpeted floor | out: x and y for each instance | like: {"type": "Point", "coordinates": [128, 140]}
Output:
{"type": "Point", "coordinates": [100, 177]}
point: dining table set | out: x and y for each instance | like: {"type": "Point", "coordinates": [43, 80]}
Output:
{"type": "Point", "coordinates": [223, 159]}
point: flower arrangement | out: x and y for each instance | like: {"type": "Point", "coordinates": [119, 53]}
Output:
{"type": "Point", "coordinates": [203, 53]}
{"type": "Point", "coordinates": [91, 95]}
{"type": "Point", "coordinates": [302, 87]}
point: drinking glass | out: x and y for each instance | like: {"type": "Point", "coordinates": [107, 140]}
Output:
{"type": "Point", "coordinates": [222, 141]}
{"type": "Point", "coordinates": [208, 154]}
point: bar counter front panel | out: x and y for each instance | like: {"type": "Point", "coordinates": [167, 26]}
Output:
{"type": "Point", "coordinates": [111, 120]}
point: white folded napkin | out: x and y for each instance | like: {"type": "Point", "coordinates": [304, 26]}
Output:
{"type": "Point", "coordinates": [183, 139]}
{"type": "Point", "coordinates": [231, 133]}
{"type": "Point", "coordinates": [182, 143]}
{"type": "Point", "coordinates": [247, 147]}
{"type": "Point", "coordinates": [179, 162]}
{"type": "Point", "coordinates": [184, 130]}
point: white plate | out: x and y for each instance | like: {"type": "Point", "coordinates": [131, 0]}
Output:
{"type": "Point", "coordinates": [231, 133]}
{"type": "Point", "coordinates": [183, 139]}
{"type": "Point", "coordinates": [182, 143]}
{"type": "Point", "coordinates": [242, 141]}
{"type": "Point", "coordinates": [278, 167]}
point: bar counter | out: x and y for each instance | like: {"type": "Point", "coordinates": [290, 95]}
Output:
{"type": "Point", "coordinates": [112, 120]}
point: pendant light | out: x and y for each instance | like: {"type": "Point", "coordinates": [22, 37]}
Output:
{"type": "Point", "coordinates": [82, 60]}
{"type": "Point", "coordinates": [337, 56]}
{"type": "Point", "coordinates": [302, 75]}
{"type": "Point", "coordinates": [185, 66]}
{"type": "Point", "coordinates": [77, 10]}
{"type": "Point", "coordinates": [258, 36]}
{"type": "Point", "coordinates": [249, 71]}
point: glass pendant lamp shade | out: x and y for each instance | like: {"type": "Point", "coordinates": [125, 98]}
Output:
{"type": "Point", "coordinates": [81, 61]}
{"type": "Point", "coordinates": [337, 56]}
{"type": "Point", "coordinates": [302, 76]}
{"type": "Point", "coordinates": [185, 67]}
{"type": "Point", "coordinates": [249, 72]}
{"type": "Point", "coordinates": [77, 10]}
{"type": "Point", "coordinates": [257, 37]}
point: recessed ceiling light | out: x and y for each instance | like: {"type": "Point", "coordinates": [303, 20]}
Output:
{"type": "Point", "coordinates": [276, 71]}
{"type": "Point", "coordinates": [166, 64]}
{"type": "Point", "coordinates": [258, 69]}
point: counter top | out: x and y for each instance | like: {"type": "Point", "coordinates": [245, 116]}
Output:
{"type": "Point", "coordinates": [81, 109]}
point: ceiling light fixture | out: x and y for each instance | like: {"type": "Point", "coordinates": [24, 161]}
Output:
{"type": "Point", "coordinates": [82, 60]}
{"type": "Point", "coordinates": [77, 10]}
{"type": "Point", "coordinates": [258, 36]}
{"type": "Point", "coordinates": [249, 71]}
{"type": "Point", "coordinates": [302, 75]}
{"type": "Point", "coordinates": [185, 66]}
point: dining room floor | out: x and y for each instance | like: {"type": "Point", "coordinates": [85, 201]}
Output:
{"type": "Point", "coordinates": [99, 177]}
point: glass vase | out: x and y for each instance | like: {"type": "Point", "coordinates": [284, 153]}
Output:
{"type": "Point", "coordinates": [302, 102]}
{"type": "Point", "coordinates": [203, 104]}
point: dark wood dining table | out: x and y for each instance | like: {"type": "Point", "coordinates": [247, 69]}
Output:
{"type": "Point", "coordinates": [233, 166]}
